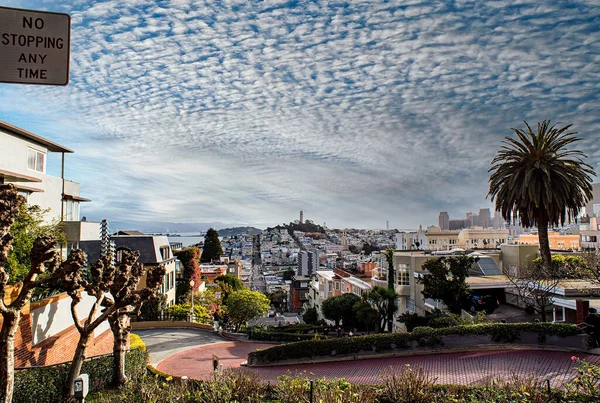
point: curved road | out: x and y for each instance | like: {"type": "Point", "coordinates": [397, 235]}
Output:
{"type": "Point", "coordinates": [465, 368]}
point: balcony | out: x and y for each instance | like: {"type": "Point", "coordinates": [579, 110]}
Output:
{"type": "Point", "coordinates": [77, 231]}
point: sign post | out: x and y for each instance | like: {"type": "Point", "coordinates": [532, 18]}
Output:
{"type": "Point", "coordinates": [34, 47]}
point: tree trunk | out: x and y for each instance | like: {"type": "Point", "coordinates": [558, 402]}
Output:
{"type": "Point", "coordinates": [77, 361]}
{"type": "Point", "coordinates": [543, 314]}
{"type": "Point", "coordinates": [7, 355]}
{"type": "Point", "coordinates": [120, 329]}
{"type": "Point", "coordinates": [544, 242]}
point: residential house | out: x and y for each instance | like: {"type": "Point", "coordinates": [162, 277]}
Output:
{"type": "Point", "coordinates": [24, 163]}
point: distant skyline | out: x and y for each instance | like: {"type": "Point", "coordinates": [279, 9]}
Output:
{"type": "Point", "coordinates": [356, 112]}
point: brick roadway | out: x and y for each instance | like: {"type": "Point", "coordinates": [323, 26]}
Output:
{"type": "Point", "coordinates": [197, 362]}
{"type": "Point", "coordinates": [465, 368]}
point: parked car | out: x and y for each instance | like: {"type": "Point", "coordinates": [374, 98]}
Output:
{"type": "Point", "coordinates": [487, 303]}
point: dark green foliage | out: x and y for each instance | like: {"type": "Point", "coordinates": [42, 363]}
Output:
{"type": "Point", "coordinates": [339, 308]}
{"type": "Point", "coordinates": [365, 314]}
{"type": "Point", "coordinates": [423, 336]}
{"type": "Point", "coordinates": [232, 283]}
{"type": "Point", "coordinates": [151, 310]}
{"type": "Point", "coordinates": [259, 334]}
{"type": "Point", "coordinates": [445, 279]}
{"type": "Point", "coordinates": [288, 274]}
{"type": "Point", "coordinates": [412, 320]}
{"type": "Point", "coordinates": [45, 384]}
{"type": "Point", "coordinates": [535, 178]}
{"type": "Point", "coordinates": [369, 248]}
{"type": "Point", "coordinates": [384, 301]}
{"type": "Point", "coordinates": [212, 249]}
{"type": "Point", "coordinates": [311, 316]}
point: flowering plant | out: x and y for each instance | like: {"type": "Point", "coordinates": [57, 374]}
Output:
{"type": "Point", "coordinates": [587, 380]}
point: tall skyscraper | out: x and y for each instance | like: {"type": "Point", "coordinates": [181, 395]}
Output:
{"type": "Point", "coordinates": [472, 219]}
{"type": "Point", "coordinates": [485, 220]}
{"type": "Point", "coordinates": [444, 221]}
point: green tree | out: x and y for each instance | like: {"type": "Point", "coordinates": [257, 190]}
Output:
{"type": "Point", "coordinates": [311, 316]}
{"type": "Point", "coordinates": [389, 258]}
{"type": "Point", "coordinates": [233, 283]}
{"type": "Point", "coordinates": [535, 178]}
{"type": "Point", "coordinates": [365, 313]}
{"type": "Point", "coordinates": [212, 249]}
{"type": "Point", "coordinates": [383, 300]}
{"type": "Point", "coordinates": [27, 227]}
{"type": "Point", "coordinates": [245, 305]}
{"type": "Point", "coordinates": [339, 308]}
{"type": "Point", "coordinates": [152, 309]}
{"type": "Point", "coordinates": [444, 278]}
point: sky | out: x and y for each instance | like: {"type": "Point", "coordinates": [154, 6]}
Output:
{"type": "Point", "coordinates": [356, 112]}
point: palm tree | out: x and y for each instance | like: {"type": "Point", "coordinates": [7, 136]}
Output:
{"type": "Point", "coordinates": [536, 179]}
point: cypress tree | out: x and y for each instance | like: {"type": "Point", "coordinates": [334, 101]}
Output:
{"type": "Point", "coordinates": [212, 247]}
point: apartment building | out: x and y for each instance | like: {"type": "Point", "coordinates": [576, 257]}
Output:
{"type": "Point", "coordinates": [558, 241]}
{"type": "Point", "coordinates": [24, 163]}
{"type": "Point", "coordinates": [478, 237]}
{"type": "Point", "coordinates": [308, 262]}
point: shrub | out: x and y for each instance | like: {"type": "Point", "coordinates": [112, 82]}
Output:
{"type": "Point", "coordinates": [296, 389]}
{"type": "Point", "coordinates": [45, 384]}
{"type": "Point", "coordinates": [259, 334]}
{"type": "Point", "coordinates": [406, 385]}
{"type": "Point", "coordinates": [135, 342]}
{"type": "Point", "coordinates": [182, 311]}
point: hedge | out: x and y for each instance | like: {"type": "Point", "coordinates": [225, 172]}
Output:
{"type": "Point", "coordinates": [423, 336]}
{"type": "Point", "coordinates": [45, 384]}
{"type": "Point", "coordinates": [264, 335]}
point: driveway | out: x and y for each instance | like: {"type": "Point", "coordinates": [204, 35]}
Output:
{"type": "Point", "coordinates": [163, 343]}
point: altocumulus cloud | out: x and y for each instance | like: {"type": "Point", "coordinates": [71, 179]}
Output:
{"type": "Point", "coordinates": [355, 111]}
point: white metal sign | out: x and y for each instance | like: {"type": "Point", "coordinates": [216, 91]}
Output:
{"type": "Point", "coordinates": [34, 47]}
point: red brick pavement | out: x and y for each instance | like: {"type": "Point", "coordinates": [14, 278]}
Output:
{"type": "Point", "coordinates": [465, 368]}
{"type": "Point", "coordinates": [196, 362]}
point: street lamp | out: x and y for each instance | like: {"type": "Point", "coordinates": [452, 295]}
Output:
{"type": "Point", "coordinates": [192, 318]}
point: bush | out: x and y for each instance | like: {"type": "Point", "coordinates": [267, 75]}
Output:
{"type": "Point", "coordinates": [259, 334]}
{"type": "Point", "coordinates": [407, 385]}
{"type": "Point", "coordinates": [135, 342]}
{"type": "Point", "coordinates": [296, 389]}
{"type": "Point", "coordinates": [182, 311]}
{"type": "Point", "coordinates": [422, 336]}
{"type": "Point", "coordinates": [45, 384]}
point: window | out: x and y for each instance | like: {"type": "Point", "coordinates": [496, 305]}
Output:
{"type": "Point", "coordinates": [71, 210]}
{"type": "Point", "coordinates": [303, 285]}
{"type": "Point", "coordinates": [337, 285]}
{"type": "Point", "coordinates": [36, 160]}
{"type": "Point", "coordinates": [452, 241]}
{"type": "Point", "coordinates": [403, 274]}
{"type": "Point", "coordinates": [165, 252]}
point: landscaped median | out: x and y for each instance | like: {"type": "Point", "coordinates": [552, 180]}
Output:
{"type": "Point", "coordinates": [550, 334]}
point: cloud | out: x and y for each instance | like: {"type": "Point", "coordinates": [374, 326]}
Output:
{"type": "Point", "coordinates": [356, 112]}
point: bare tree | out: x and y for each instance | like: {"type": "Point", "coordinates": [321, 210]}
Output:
{"type": "Point", "coordinates": [114, 290]}
{"type": "Point", "coordinates": [590, 268]}
{"type": "Point", "coordinates": [124, 288]}
{"type": "Point", "coordinates": [535, 286]}
{"type": "Point", "coordinates": [45, 262]}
